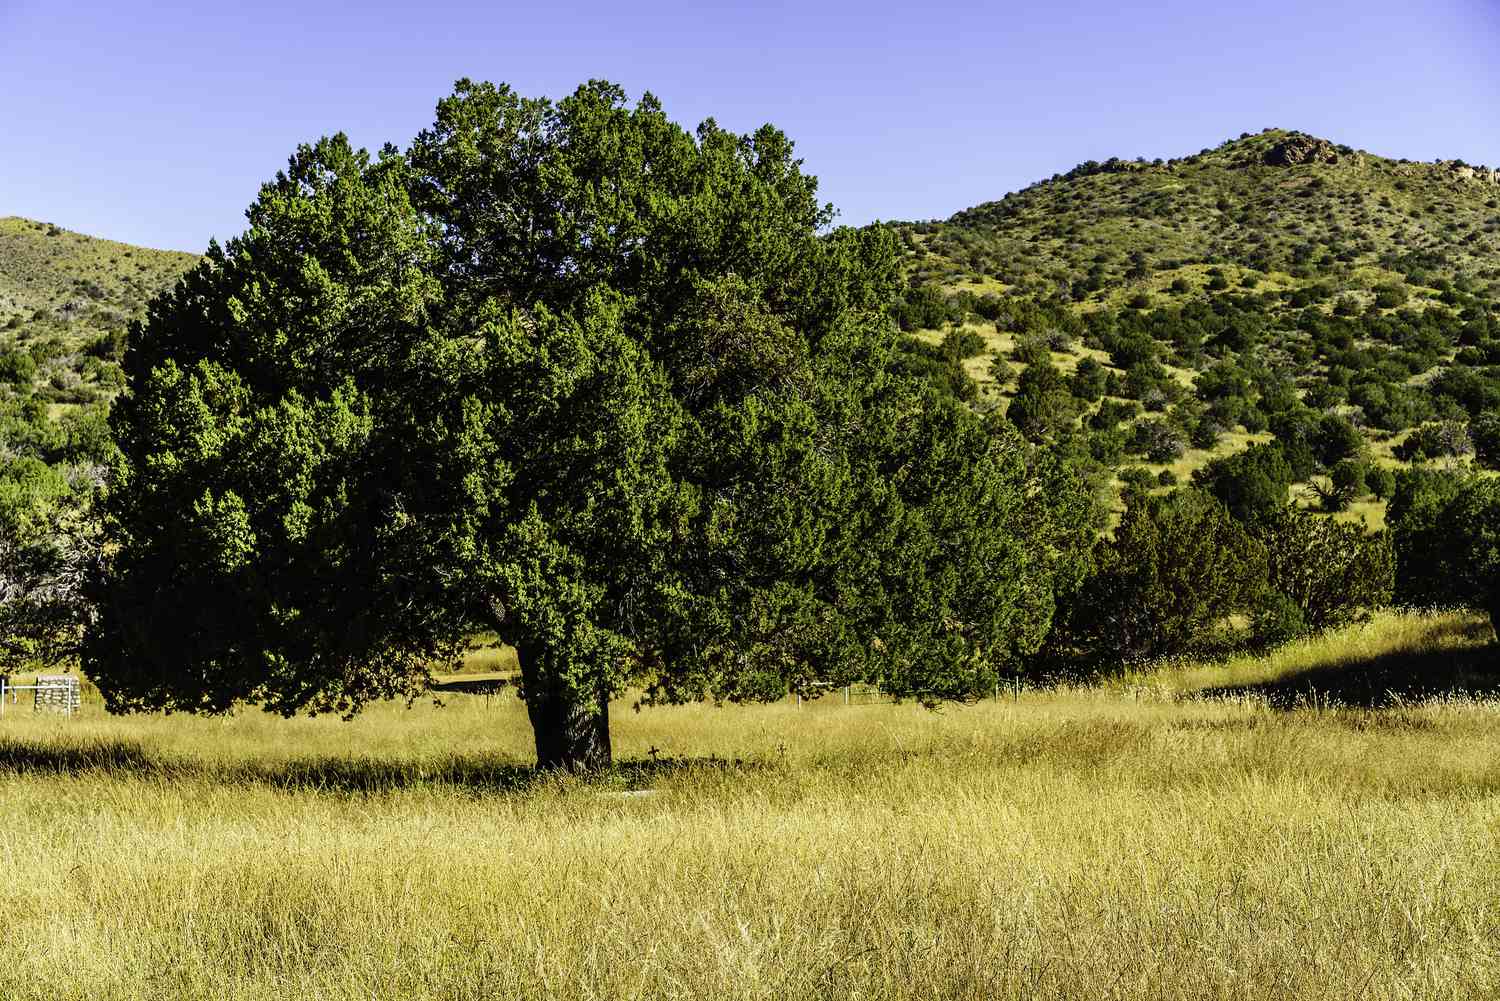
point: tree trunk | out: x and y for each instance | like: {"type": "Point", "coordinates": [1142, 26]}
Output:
{"type": "Point", "coordinates": [571, 727]}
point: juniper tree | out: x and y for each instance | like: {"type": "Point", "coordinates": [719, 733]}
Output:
{"type": "Point", "coordinates": [572, 373]}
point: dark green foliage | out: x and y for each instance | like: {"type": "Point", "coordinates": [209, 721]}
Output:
{"type": "Point", "coordinates": [1435, 440]}
{"type": "Point", "coordinates": [1176, 567]}
{"type": "Point", "coordinates": [1112, 413]}
{"type": "Point", "coordinates": [1042, 408]}
{"type": "Point", "coordinates": [1205, 433]}
{"type": "Point", "coordinates": [1474, 391]}
{"type": "Point", "coordinates": [925, 307]}
{"type": "Point", "coordinates": [1447, 533]}
{"type": "Point", "coordinates": [1150, 383]}
{"type": "Point", "coordinates": [1335, 440]}
{"type": "Point", "coordinates": [1332, 573]}
{"type": "Point", "coordinates": [1127, 352]}
{"type": "Point", "coordinates": [960, 343]}
{"type": "Point", "coordinates": [1137, 479]}
{"type": "Point", "coordinates": [1107, 448]}
{"type": "Point", "coordinates": [1000, 370]}
{"type": "Point", "coordinates": [1179, 566]}
{"type": "Point", "coordinates": [1223, 380]}
{"type": "Point", "coordinates": [1156, 440]}
{"type": "Point", "coordinates": [1423, 541]}
{"type": "Point", "coordinates": [1381, 482]}
{"type": "Point", "coordinates": [1484, 436]}
{"type": "Point", "coordinates": [1088, 380]}
{"type": "Point", "coordinates": [1277, 619]}
{"type": "Point", "coordinates": [929, 363]}
{"type": "Point", "coordinates": [1348, 479]}
{"type": "Point", "coordinates": [1253, 484]}
{"type": "Point", "coordinates": [1032, 351]}
{"type": "Point", "coordinates": [1390, 296]}
{"type": "Point", "coordinates": [1294, 433]}
{"type": "Point", "coordinates": [572, 374]}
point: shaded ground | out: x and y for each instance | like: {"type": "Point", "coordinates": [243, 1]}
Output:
{"type": "Point", "coordinates": [326, 773]}
{"type": "Point", "coordinates": [1459, 660]}
{"type": "Point", "coordinates": [474, 684]}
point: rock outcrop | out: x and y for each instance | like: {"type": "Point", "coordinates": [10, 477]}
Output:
{"type": "Point", "coordinates": [1298, 149]}
{"type": "Point", "coordinates": [1460, 171]}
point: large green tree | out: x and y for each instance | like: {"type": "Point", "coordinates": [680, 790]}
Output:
{"type": "Point", "coordinates": [569, 372]}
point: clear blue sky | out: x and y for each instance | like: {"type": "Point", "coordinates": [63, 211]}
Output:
{"type": "Point", "coordinates": [155, 122]}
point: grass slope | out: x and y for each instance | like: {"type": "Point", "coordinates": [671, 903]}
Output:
{"type": "Point", "coordinates": [59, 272]}
{"type": "Point", "coordinates": [1281, 220]}
{"type": "Point", "coordinates": [1288, 205]}
{"type": "Point", "coordinates": [67, 299]}
{"type": "Point", "coordinates": [1199, 831]}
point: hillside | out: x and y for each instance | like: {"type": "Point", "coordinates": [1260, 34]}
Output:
{"type": "Point", "coordinates": [43, 267]}
{"type": "Point", "coordinates": [1284, 204]}
{"type": "Point", "coordinates": [66, 301]}
{"type": "Point", "coordinates": [1281, 286]}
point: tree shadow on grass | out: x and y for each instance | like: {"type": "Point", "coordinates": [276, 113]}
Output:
{"type": "Point", "coordinates": [1438, 669]}
{"type": "Point", "coordinates": [471, 774]}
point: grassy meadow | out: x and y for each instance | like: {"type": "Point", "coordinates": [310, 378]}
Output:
{"type": "Point", "coordinates": [1319, 823]}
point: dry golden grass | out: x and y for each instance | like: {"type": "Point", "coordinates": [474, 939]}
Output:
{"type": "Point", "coordinates": [1172, 834]}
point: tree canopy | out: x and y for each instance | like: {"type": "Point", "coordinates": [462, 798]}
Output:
{"type": "Point", "coordinates": [569, 372]}
{"type": "Point", "coordinates": [1447, 533]}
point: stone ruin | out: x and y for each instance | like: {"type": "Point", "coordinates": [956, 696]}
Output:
{"type": "Point", "coordinates": [57, 693]}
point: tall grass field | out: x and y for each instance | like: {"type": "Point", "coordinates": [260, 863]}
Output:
{"type": "Point", "coordinates": [1320, 823]}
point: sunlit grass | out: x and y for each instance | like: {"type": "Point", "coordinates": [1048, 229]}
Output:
{"type": "Point", "coordinates": [1171, 834]}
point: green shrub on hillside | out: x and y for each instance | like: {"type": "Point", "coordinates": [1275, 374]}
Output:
{"type": "Point", "coordinates": [1484, 436]}
{"type": "Point", "coordinates": [1446, 526]}
{"type": "Point", "coordinates": [931, 364]}
{"type": "Point", "coordinates": [1042, 408]}
{"type": "Point", "coordinates": [1175, 568]}
{"type": "Point", "coordinates": [1031, 350]}
{"type": "Point", "coordinates": [1334, 573]}
{"type": "Point", "coordinates": [17, 367]}
{"type": "Point", "coordinates": [1435, 440]}
{"type": "Point", "coordinates": [1157, 440]}
{"type": "Point", "coordinates": [1253, 484]}
{"type": "Point", "coordinates": [960, 343]}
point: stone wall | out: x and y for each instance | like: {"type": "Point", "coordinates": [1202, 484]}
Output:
{"type": "Point", "coordinates": [57, 693]}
